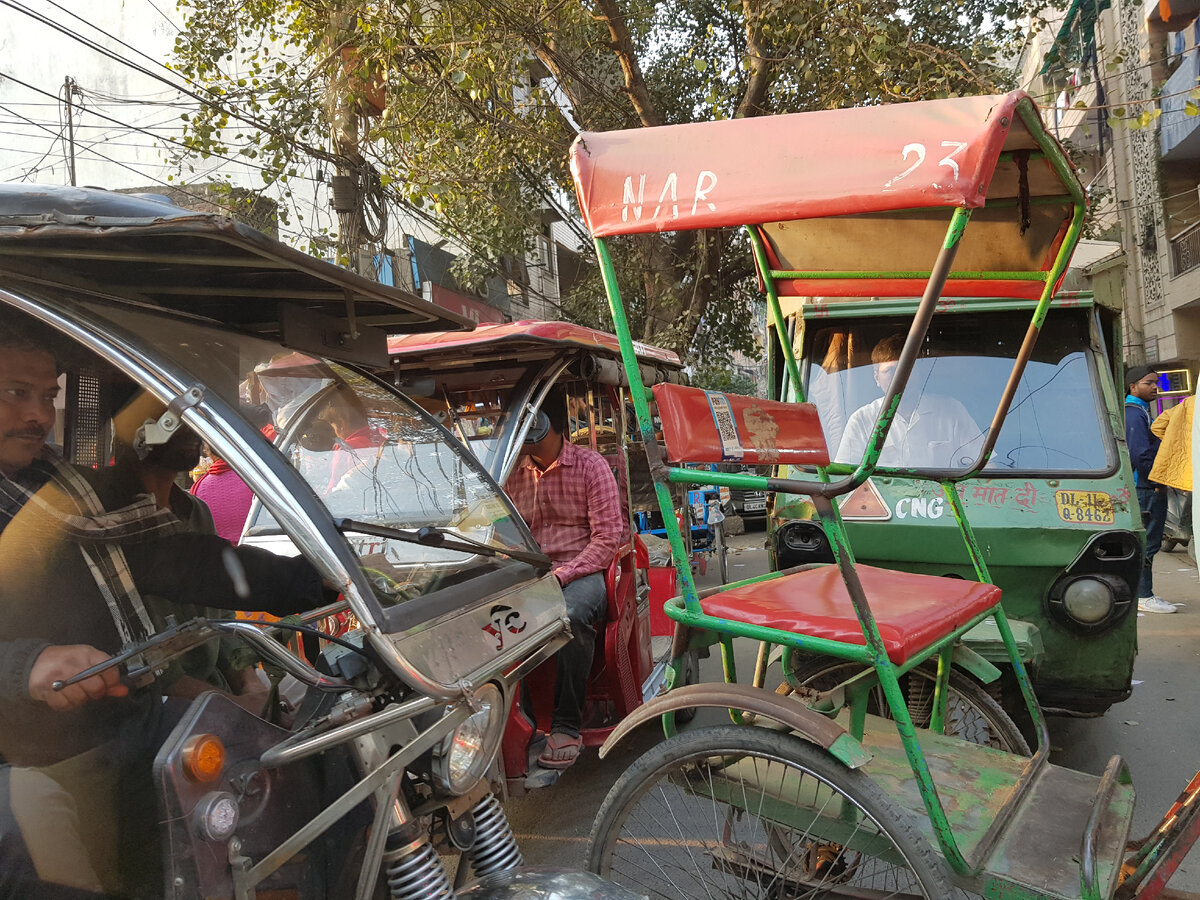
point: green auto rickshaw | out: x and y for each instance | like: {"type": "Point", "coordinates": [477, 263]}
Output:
{"type": "Point", "coordinates": [1054, 508]}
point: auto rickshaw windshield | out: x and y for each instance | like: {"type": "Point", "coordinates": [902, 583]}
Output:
{"type": "Point", "coordinates": [1056, 423]}
{"type": "Point", "coordinates": [369, 454]}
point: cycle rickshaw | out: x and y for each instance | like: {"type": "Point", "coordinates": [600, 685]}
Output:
{"type": "Point", "coordinates": [807, 793]}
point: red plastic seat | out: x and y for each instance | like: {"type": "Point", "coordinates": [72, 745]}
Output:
{"type": "Point", "coordinates": [912, 611]}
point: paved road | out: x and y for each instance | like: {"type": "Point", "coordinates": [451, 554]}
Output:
{"type": "Point", "coordinates": [1157, 730]}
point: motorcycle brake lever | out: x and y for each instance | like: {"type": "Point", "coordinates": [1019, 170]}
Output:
{"type": "Point", "coordinates": [87, 673]}
{"type": "Point", "coordinates": [172, 642]}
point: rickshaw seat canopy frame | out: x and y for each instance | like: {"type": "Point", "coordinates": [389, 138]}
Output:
{"type": "Point", "coordinates": [882, 182]}
{"type": "Point", "coordinates": [958, 197]}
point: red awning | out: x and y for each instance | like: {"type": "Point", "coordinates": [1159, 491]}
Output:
{"type": "Point", "coordinates": [526, 332]}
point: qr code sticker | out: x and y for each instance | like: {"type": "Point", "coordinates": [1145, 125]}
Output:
{"type": "Point", "coordinates": [731, 442]}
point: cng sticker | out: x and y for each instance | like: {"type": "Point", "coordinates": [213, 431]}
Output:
{"type": "Point", "coordinates": [865, 505]}
{"type": "Point", "coordinates": [1091, 507]}
{"type": "Point", "coordinates": [920, 507]}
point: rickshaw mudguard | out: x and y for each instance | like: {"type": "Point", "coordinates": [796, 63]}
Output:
{"type": "Point", "coordinates": [810, 725]}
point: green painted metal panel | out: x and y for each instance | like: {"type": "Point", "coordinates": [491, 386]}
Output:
{"type": "Point", "coordinates": [985, 640]}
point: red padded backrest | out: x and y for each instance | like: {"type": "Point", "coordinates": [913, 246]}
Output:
{"type": "Point", "coordinates": [710, 427]}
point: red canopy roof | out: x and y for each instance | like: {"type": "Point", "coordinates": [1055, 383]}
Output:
{"type": "Point", "coordinates": [881, 180]}
{"type": "Point", "coordinates": [805, 165]}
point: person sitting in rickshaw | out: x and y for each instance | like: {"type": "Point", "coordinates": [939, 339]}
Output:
{"type": "Point", "coordinates": [354, 433]}
{"type": "Point", "coordinates": [929, 430]}
{"type": "Point", "coordinates": [73, 573]}
{"type": "Point", "coordinates": [568, 496]}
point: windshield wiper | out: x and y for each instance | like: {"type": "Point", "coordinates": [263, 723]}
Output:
{"type": "Point", "coordinates": [433, 536]}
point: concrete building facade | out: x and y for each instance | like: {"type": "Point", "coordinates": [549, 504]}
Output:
{"type": "Point", "coordinates": [1118, 80]}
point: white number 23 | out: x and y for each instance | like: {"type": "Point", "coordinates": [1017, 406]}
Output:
{"type": "Point", "coordinates": [918, 150]}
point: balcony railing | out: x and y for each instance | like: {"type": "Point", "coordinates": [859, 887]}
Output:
{"type": "Point", "coordinates": [1177, 130]}
{"type": "Point", "coordinates": [1185, 249]}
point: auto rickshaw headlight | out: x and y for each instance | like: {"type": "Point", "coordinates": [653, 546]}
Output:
{"type": "Point", "coordinates": [465, 754]}
{"type": "Point", "coordinates": [1092, 601]}
{"type": "Point", "coordinates": [216, 816]}
{"type": "Point", "coordinates": [1088, 600]}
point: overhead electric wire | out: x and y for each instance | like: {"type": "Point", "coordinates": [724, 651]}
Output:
{"type": "Point", "coordinates": [245, 162]}
{"type": "Point", "coordinates": [209, 102]}
{"type": "Point", "coordinates": [34, 168]}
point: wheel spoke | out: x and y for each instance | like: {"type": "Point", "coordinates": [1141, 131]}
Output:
{"type": "Point", "coordinates": [742, 812]}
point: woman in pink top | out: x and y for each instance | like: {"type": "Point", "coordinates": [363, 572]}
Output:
{"type": "Point", "coordinates": [227, 496]}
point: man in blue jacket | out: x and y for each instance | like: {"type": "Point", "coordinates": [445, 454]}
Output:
{"type": "Point", "coordinates": [1141, 385]}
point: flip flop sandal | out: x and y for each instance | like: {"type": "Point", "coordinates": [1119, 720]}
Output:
{"type": "Point", "coordinates": [561, 751]}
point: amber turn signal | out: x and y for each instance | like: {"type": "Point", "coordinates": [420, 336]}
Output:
{"type": "Point", "coordinates": [203, 757]}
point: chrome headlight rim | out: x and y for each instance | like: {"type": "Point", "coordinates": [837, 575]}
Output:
{"type": "Point", "coordinates": [463, 757]}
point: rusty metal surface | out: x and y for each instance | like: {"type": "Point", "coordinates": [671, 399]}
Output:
{"type": "Point", "coordinates": [1041, 849]}
{"type": "Point", "coordinates": [814, 726]}
{"type": "Point", "coordinates": [150, 251]}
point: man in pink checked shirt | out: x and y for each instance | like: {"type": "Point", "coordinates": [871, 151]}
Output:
{"type": "Point", "coordinates": [568, 497]}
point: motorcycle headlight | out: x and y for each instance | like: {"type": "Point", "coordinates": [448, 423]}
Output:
{"type": "Point", "coordinates": [464, 756]}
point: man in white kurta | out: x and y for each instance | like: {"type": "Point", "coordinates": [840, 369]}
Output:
{"type": "Point", "coordinates": [928, 431]}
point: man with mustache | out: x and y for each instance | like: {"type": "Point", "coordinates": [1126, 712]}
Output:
{"type": "Point", "coordinates": [72, 574]}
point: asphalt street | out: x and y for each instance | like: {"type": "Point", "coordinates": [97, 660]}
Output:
{"type": "Point", "coordinates": [1157, 730]}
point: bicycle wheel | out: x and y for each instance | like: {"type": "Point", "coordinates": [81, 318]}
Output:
{"type": "Point", "coordinates": [738, 811]}
{"type": "Point", "coordinates": [721, 551]}
{"type": "Point", "coordinates": [971, 713]}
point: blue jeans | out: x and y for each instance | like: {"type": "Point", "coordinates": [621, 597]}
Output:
{"type": "Point", "coordinates": [1153, 503]}
{"type": "Point", "coordinates": [587, 604]}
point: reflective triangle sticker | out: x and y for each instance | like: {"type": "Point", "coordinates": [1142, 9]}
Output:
{"type": "Point", "coordinates": [864, 504]}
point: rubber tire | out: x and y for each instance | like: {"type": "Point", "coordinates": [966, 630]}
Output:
{"type": "Point", "coordinates": [692, 872]}
{"type": "Point", "coordinates": [691, 675]}
{"type": "Point", "coordinates": [721, 551]}
{"type": "Point", "coordinates": [976, 703]}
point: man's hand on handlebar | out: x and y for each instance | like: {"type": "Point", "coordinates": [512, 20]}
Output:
{"type": "Point", "coordinates": [60, 662]}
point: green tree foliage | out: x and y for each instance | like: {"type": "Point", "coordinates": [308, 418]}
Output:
{"type": "Point", "coordinates": [725, 379]}
{"type": "Point", "coordinates": [483, 96]}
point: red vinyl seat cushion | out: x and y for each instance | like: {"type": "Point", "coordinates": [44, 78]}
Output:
{"type": "Point", "coordinates": [711, 427]}
{"type": "Point", "coordinates": [911, 611]}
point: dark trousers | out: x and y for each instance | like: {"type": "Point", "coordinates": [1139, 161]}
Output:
{"type": "Point", "coordinates": [587, 603]}
{"type": "Point", "coordinates": [1153, 503]}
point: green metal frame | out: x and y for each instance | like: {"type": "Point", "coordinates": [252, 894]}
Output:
{"type": "Point", "coordinates": [686, 609]}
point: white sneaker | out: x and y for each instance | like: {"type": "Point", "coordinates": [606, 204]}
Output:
{"type": "Point", "coordinates": [1155, 604]}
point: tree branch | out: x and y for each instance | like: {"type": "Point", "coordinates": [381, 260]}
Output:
{"type": "Point", "coordinates": [635, 81]}
{"type": "Point", "coordinates": [753, 102]}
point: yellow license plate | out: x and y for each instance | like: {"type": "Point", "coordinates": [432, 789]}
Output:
{"type": "Point", "coordinates": [1086, 507]}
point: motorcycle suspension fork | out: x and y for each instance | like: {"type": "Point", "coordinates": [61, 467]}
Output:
{"type": "Point", "coordinates": [411, 866]}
